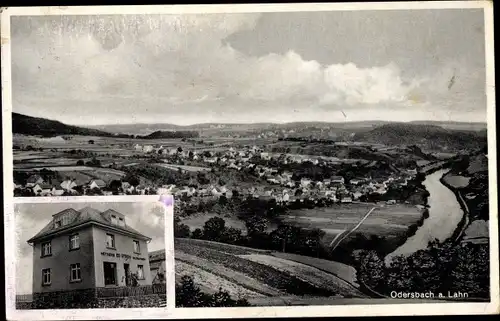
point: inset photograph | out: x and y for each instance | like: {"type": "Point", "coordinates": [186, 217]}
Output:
{"type": "Point", "coordinates": [90, 255]}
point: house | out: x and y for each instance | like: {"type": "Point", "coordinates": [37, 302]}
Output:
{"type": "Point", "coordinates": [157, 266]}
{"type": "Point", "coordinates": [273, 180]}
{"type": "Point", "coordinates": [346, 199]}
{"type": "Point", "coordinates": [138, 147]}
{"type": "Point", "coordinates": [391, 202]}
{"type": "Point", "coordinates": [126, 187]}
{"type": "Point", "coordinates": [304, 182]}
{"type": "Point", "coordinates": [42, 189]}
{"type": "Point", "coordinates": [69, 185]}
{"type": "Point", "coordinates": [84, 250]}
{"type": "Point", "coordinates": [57, 190]}
{"type": "Point", "coordinates": [356, 195]}
{"type": "Point", "coordinates": [265, 156]}
{"type": "Point", "coordinates": [147, 148]}
{"type": "Point", "coordinates": [141, 189]}
{"type": "Point", "coordinates": [212, 160]}
{"type": "Point", "coordinates": [355, 181]}
{"type": "Point", "coordinates": [34, 180]}
{"type": "Point", "coordinates": [412, 171]}
{"type": "Point", "coordinates": [97, 183]}
{"type": "Point", "coordinates": [337, 180]}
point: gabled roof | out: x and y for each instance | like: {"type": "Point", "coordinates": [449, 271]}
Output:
{"type": "Point", "coordinates": [86, 215]}
{"type": "Point", "coordinates": [99, 182]}
{"type": "Point", "coordinates": [157, 255]}
{"type": "Point", "coordinates": [34, 178]}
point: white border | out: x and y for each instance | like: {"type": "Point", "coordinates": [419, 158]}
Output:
{"type": "Point", "coordinates": [311, 311]}
{"type": "Point", "coordinates": [119, 313]}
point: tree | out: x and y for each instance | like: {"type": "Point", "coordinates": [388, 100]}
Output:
{"type": "Point", "coordinates": [179, 149]}
{"type": "Point", "coordinates": [197, 234]}
{"type": "Point", "coordinates": [232, 236]}
{"type": "Point", "coordinates": [91, 141]}
{"type": "Point", "coordinates": [94, 162]}
{"type": "Point", "coordinates": [180, 229]}
{"type": "Point", "coordinates": [214, 228]}
{"type": "Point", "coordinates": [132, 179]}
{"type": "Point", "coordinates": [187, 294]}
{"type": "Point", "coordinates": [115, 185]}
{"type": "Point", "coordinates": [256, 226]}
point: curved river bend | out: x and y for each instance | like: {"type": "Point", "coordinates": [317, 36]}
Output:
{"type": "Point", "coordinates": [445, 214]}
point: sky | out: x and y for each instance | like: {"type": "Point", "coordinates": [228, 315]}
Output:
{"type": "Point", "coordinates": [337, 66]}
{"type": "Point", "coordinates": [146, 217]}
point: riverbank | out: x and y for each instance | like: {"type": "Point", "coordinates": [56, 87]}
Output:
{"type": "Point", "coordinates": [445, 214]}
{"type": "Point", "coordinates": [464, 222]}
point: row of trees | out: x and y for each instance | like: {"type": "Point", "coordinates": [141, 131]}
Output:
{"type": "Point", "coordinates": [285, 238]}
{"type": "Point", "coordinates": [442, 267]}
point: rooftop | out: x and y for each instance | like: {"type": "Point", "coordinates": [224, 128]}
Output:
{"type": "Point", "coordinates": [85, 216]}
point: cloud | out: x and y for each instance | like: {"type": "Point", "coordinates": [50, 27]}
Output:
{"type": "Point", "coordinates": [142, 67]}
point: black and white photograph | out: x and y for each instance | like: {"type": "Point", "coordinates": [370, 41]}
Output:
{"type": "Point", "coordinates": [84, 255]}
{"type": "Point", "coordinates": [313, 155]}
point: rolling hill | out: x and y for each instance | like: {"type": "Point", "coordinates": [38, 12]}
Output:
{"type": "Point", "coordinates": [27, 125]}
{"type": "Point", "coordinates": [259, 275]}
{"type": "Point", "coordinates": [430, 136]}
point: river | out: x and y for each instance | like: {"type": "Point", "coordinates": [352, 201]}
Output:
{"type": "Point", "coordinates": [444, 215]}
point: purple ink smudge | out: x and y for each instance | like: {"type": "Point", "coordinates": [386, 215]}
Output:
{"type": "Point", "coordinates": [167, 200]}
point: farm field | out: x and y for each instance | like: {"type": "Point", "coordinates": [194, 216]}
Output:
{"type": "Point", "coordinates": [185, 167]}
{"type": "Point", "coordinates": [305, 272]}
{"type": "Point", "coordinates": [457, 181]}
{"type": "Point", "coordinates": [385, 220]}
{"type": "Point", "coordinates": [343, 271]}
{"type": "Point", "coordinates": [262, 272]}
{"type": "Point", "coordinates": [81, 173]}
{"type": "Point", "coordinates": [212, 282]}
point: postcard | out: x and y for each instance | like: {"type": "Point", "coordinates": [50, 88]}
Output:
{"type": "Point", "coordinates": [250, 160]}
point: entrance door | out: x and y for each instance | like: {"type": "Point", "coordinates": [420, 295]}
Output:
{"type": "Point", "coordinates": [126, 268]}
{"type": "Point", "coordinates": [109, 273]}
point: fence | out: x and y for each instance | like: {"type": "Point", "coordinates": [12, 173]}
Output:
{"type": "Point", "coordinates": [126, 291]}
{"type": "Point", "coordinates": [24, 298]}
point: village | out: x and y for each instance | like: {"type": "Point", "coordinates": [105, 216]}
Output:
{"type": "Point", "coordinates": [272, 179]}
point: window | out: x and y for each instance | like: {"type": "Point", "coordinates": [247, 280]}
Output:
{"type": "Point", "coordinates": [137, 247]}
{"type": "Point", "coordinates": [109, 273]}
{"type": "Point", "coordinates": [110, 241]}
{"type": "Point", "coordinates": [121, 222]}
{"type": "Point", "coordinates": [46, 277]}
{"type": "Point", "coordinates": [75, 272]}
{"type": "Point", "coordinates": [74, 242]}
{"type": "Point", "coordinates": [113, 220]}
{"type": "Point", "coordinates": [46, 249]}
{"type": "Point", "coordinates": [57, 224]}
{"type": "Point", "coordinates": [140, 272]}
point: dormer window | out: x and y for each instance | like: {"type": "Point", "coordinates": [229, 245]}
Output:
{"type": "Point", "coordinates": [57, 224]}
{"type": "Point", "coordinates": [114, 221]}
{"type": "Point", "coordinates": [121, 221]}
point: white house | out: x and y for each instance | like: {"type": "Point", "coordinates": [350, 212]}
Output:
{"type": "Point", "coordinates": [337, 179]}
{"type": "Point", "coordinates": [68, 185]}
{"type": "Point", "coordinates": [97, 183]}
{"type": "Point", "coordinates": [147, 148]}
{"type": "Point", "coordinates": [42, 189]}
{"type": "Point", "coordinates": [305, 182]}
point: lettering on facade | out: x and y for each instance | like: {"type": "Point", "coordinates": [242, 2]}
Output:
{"type": "Point", "coordinates": [123, 256]}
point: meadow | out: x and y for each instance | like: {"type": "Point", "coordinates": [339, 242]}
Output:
{"type": "Point", "coordinates": [385, 220]}
{"type": "Point", "coordinates": [253, 273]}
